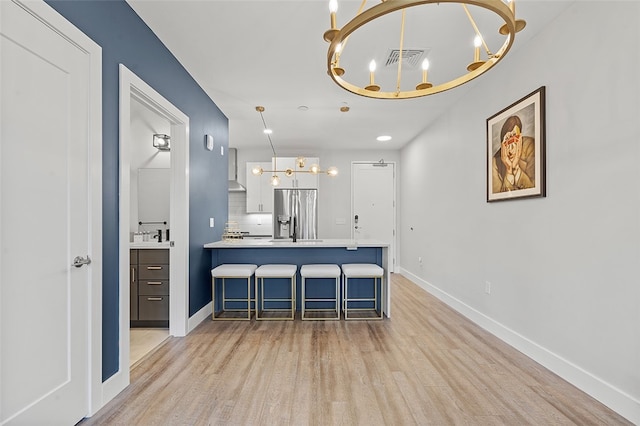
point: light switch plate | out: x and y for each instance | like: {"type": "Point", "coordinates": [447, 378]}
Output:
{"type": "Point", "coordinates": [209, 142]}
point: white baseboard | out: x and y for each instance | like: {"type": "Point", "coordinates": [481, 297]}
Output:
{"type": "Point", "coordinates": [619, 401]}
{"type": "Point", "coordinates": [198, 317]}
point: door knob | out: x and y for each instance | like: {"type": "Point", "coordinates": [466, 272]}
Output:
{"type": "Point", "coordinates": [78, 261]}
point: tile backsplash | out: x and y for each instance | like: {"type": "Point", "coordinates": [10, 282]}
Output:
{"type": "Point", "coordinates": [253, 223]}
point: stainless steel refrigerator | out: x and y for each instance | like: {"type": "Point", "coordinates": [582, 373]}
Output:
{"type": "Point", "coordinates": [295, 214]}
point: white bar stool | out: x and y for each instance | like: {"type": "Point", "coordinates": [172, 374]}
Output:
{"type": "Point", "coordinates": [275, 271]}
{"type": "Point", "coordinates": [231, 271]}
{"type": "Point", "coordinates": [320, 271]}
{"type": "Point", "coordinates": [362, 270]}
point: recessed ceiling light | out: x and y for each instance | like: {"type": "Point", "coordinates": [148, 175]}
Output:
{"type": "Point", "coordinates": [267, 131]}
{"type": "Point", "coordinates": [303, 108]}
{"type": "Point", "coordinates": [383, 138]}
{"type": "Point", "coordinates": [344, 109]}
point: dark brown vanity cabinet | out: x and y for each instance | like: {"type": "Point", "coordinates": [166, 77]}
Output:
{"type": "Point", "coordinates": [149, 287]}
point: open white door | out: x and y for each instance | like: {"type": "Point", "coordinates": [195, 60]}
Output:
{"type": "Point", "coordinates": [50, 218]}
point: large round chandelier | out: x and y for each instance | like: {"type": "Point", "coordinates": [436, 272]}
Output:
{"type": "Point", "coordinates": [413, 82]}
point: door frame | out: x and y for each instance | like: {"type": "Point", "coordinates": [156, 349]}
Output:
{"type": "Point", "coordinates": [393, 245]}
{"type": "Point", "coordinates": [131, 86]}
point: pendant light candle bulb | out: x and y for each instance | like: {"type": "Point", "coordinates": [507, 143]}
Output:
{"type": "Point", "coordinates": [332, 171]}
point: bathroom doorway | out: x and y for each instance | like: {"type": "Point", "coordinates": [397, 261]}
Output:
{"type": "Point", "coordinates": [141, 103]}
{"type": "Point", "coordinates": [149, 226]}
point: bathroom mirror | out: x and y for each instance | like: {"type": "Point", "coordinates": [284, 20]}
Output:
{"type": "Point", "coordinates": [153, 197]}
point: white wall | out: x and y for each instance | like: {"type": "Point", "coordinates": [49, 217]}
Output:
{"type": "Point", "coordinates": [144, 124]}
{"type": "Point", "coordinates": [564, 270]}
{"type": "Point", "coordinates": [334, 193]}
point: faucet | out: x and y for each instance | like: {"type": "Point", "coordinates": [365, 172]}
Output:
{"type": "Point", "coordinates": [294, 229]}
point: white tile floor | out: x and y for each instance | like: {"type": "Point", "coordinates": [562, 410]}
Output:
{"type": "Point", "coordinates": [143, 341]}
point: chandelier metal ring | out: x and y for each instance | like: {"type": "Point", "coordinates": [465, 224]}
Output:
{"type": "Point", "coordinates": [339, 36]}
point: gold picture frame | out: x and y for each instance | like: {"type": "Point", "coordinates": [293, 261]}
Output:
{"type": "Point", "coordinates": [516, 150]}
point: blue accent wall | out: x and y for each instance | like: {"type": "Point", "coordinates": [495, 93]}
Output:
{"type": "Point", "coordinates": [126, 39]}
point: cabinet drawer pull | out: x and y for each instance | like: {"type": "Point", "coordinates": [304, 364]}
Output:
{"type": "Point", "coordinates": [154, 299]}
{"type": "Point", "coordinates": [154, 282]}
{"type": "Point", "coordinates": [154, 268]}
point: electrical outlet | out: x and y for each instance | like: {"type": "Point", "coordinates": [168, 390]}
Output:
{"type": "Point", "coordinates": [487, 287]}
{"type": "Point", "coordinates": [211, 222]}
{"type": "Point", "coordinates": [420, 260]}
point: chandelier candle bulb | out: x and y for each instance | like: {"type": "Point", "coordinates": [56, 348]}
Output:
{"type": "Point", "coordinates": [333, 8]}
{"type": "Point", "coordinates": [520, 23]}
{"type": "Point", "coordinates": [330, 34]}
{"type": "Point", "coordinates": [373, 87]}
{"type": "Point", "coordinates": [425, 83]}
{"type": "Point", "coordinates": [425, 68]}
{"type": "Point", "coordinates": [477, 63]}
{"type": "Point", "coordinates": [372, 69]}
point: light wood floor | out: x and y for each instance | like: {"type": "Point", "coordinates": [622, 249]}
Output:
{"type": "Point", "coordinates": [144, 340]}
{"type": "Point", "coordinates": [425, 365]}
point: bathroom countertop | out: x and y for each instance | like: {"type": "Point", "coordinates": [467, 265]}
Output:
{"type": "Point", "coordinates": [149, 245]}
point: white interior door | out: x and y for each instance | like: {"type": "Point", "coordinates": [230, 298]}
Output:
{"type": "Point", "coordinates": [373, 198]}
{"type": "Point", "coordinates": [45, 222]}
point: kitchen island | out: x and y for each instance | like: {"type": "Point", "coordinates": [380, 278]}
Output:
{"type": "Point", "coordinates": [336, 251]}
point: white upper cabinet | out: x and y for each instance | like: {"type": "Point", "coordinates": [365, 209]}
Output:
{"type": "Point", "coordinates": [259, 189]}
{"type": "Point", "coordinates": [299, 179]}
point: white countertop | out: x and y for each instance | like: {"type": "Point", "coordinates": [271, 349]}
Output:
{"type": "Point", "coordinates": [265, 243]}
{"type": "Point", "coordinates": [149, 245]}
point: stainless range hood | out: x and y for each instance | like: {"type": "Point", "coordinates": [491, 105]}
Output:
{"type": "Point", "coordinates": [234, 185]}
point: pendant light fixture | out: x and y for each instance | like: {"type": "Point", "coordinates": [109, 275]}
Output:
{"type": "Point", "coordinates": [300, 162]}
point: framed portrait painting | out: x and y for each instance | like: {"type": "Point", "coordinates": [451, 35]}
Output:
{"type": "Point", "coordinates": [516, 150]}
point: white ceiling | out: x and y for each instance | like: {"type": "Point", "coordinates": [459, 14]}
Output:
{"type": "Point", "coordinates": [271, 53]}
